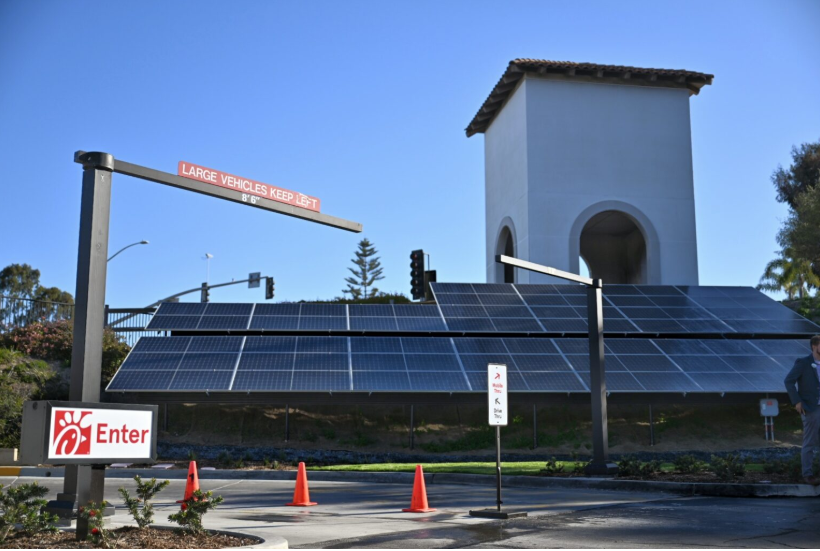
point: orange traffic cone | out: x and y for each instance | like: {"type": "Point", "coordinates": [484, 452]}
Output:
{"type": "Point", "coordinates": [192, 484]}
{"type": "Point", "coordinates": [419, 502]}
{"type": "Point", "coordinates": [301, 495]}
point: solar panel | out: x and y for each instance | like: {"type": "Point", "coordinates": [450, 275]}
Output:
{"type": "Point", "coordinates": [181, 308]}
{"type": "Point", "coordinates": [458, 364]}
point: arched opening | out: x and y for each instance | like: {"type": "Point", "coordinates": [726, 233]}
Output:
{"type": "Point", "coordinates": [614, 248]}
{"type": "Point", "coordinates": [583, 267]}
{"type": "Point", "coordinates": [505, 246]}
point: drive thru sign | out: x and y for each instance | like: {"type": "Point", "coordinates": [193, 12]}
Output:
{"type": "Point", "coordinates": [497, 394]}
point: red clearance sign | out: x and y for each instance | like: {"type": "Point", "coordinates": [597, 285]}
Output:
{"type": "Point", "coordinates": [251, 187]}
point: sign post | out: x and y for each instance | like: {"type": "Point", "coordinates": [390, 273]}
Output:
{"type": "Point", "coordinates": [82, 483]}
{"type": "Point", "coordinates": [497, 417]}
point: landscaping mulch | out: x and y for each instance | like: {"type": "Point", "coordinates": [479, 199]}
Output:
{"type": "Point", "coordinates": [129, 537]}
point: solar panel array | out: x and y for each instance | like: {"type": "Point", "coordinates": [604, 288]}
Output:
{"type": "Point", "coordinates": [297, 317]}
{"type": "Point", "coordinates": [508, 308]}
{"type": "Point", "coordinates": [443, 364]}
{"type": "Point", "coordinates": [654, 309]}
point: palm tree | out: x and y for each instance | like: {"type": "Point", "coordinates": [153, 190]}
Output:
{"type": "Point", "coordinates": [792, 275]}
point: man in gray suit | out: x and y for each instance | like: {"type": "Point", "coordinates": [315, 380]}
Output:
{"type": "Point", "coordinates": [803, 386]}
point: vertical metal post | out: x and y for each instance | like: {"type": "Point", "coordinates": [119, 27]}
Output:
{"type": "Point", "coordinates": [498, 467]}
{"type": "Point", "coordinates": [534, 427]}
{"type": "Point", "coordinates": [412, 427]}
{"type": "Point", "coordinates": [651, 427]}
{"type": "Point", "coordinates": [89, 312]}
{"type": "Point", "coordinates": [165, 417]}
{"type": "Point", "coordinates": [600, 446]}
{"type": "Point", "coordinates": [287, 422]}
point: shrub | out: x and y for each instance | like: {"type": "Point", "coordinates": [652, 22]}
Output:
{"type": "Point", "coordinates": [631, 466]}
{"type": "Point", "coordinates": [552, 467]}
{"type": "Point", "coordinates": [190, 515]}
{"type": "Point", "coordinates": [53, 340]}
{"type": "Point", "coordinates": [728, 468]}
{"type": "Point", "coordinates": [21, 379]}
{"type": "Point", "coordinates": [93, 514]}
{"type": "Point", "coordinates": [225, 459]}
{"type": "Point", "coordinates": [689, 464]}
{"type": "Point", "coordinates": [145, 492]}
{"type": "Point", "coordinates": [23, 505]}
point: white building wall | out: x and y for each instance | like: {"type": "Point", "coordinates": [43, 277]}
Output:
{"type": "Point", "coordinates": [505, 173]}
{"type": "Point", "coordinates": [591, 147]}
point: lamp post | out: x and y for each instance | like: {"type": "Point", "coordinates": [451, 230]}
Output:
{"type": "Point", "coordinates": [143, 242]}
{"type": "Point", "coordinates": [600, 464]}
{"type": "Point", "coordinates": [208, 257]}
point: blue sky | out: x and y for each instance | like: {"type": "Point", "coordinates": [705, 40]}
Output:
{"type": "Point", "coordinates": [364, 105]}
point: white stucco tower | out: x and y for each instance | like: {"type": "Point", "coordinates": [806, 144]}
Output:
{"type": "Point", "coordinates": [595, 162]}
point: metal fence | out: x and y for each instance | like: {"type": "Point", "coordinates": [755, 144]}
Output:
{"type": "Point", "coordinates": [19, 312]}
{"type": "Point", "coordinates": [130, 323]}
{"type": "Point", "coordinates": [127, 322]}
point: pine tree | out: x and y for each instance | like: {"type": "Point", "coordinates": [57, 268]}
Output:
{"type": "Point", "coordinates": [367, 271]}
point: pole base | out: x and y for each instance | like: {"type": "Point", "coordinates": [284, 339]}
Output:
{"type": "Point", "coordinates": [603, 468]}
{"type": "Point", "coordinates": [496, 514]}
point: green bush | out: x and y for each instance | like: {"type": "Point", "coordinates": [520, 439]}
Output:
{"type": "Point", "coordinates": [23, 506]}
{"type": "Point", "coordinates": [552, 467]}
{"type": "Point", "coordinates": [21, 379]}
{"type": "Point", "coordinates": [728, 468]}
{"type": "Point", "coordinates": [53, 340]}
{"type": "Point", "coordinates": [145, 492]}
{"type": "Point", "coordinates": [192, 510]}
{"type": "Point", "coordinates": [93, 514]}
{"type": "Point", "coordinates": [689, 464]}
{"type": "Point", "coordinates": [631, 466]}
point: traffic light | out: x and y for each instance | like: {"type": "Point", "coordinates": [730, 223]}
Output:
{"type": "Point", "coordinates": [417, 274]}
{"type": "Point", "coordinates": [205, 294]}
{"type": "Point", "coordinates": [269, 288]}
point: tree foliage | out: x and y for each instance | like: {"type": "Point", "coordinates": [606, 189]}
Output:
{"type": "Point", "coordinates": [21, 379]}
{"type": "Point", "coordinates": [789, 273]}
{"type": "Point", "coordinates": [803, 174]}
{"type": "Point", "coordinates": [801, 230]}
{"type": "Point", "coordinates": [28, 301]}
{"type": "Point", "coordinates": [366, 273]}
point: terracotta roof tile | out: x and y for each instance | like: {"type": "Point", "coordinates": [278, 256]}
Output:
{"type": "Point", "coordinates": [591, 72]}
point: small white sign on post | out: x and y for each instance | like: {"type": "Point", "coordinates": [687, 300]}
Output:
{"type": "Point", "coordinates": [497, 394]}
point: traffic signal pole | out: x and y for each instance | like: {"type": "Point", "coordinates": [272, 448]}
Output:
{"type": "Point", "coordinates": [600, 464]}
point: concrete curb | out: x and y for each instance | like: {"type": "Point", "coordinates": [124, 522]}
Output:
{"type": "Point", "coordinates": [611, 484]}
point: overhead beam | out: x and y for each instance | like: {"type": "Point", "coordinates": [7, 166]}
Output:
{"type": "Point", "coordinates": [518, 263]}
{"type": "Point", "coordinates": [165, 178]}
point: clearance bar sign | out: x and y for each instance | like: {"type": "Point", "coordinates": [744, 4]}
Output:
{"type": "Point", "coordinates": [248, 187]}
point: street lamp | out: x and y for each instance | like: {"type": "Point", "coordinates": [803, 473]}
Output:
{"type": "Point", "coordinates": [143, 242]}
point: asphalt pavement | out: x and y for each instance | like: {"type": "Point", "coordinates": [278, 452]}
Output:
{"type": "Point", "coordinates": [368, 515]}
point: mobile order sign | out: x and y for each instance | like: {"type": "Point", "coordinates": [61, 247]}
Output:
{"type": "Point", "coordinates": [88, 433]}
{"type": "Point", "coordinates": [497, 394]}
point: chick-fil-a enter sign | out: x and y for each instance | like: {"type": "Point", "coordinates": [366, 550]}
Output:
{"type": "Point", "coordinates": [246, 186]}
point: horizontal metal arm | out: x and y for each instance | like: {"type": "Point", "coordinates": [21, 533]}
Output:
{"type": "Point", "coordinates": [145, 173]}
{"type": "Point", "coordinates": [531, 266]}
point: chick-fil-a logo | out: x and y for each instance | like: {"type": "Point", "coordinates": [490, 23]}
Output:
{"type": "Point", "coordinates": [72, 432]}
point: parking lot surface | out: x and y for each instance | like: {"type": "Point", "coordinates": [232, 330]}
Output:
{"type": "Point", "coordinates": [357, 514]}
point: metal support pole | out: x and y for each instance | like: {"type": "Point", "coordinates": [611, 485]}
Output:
{"type": "Point", "coordinates": [165, 417]}
{"type": "Point", "coordinates": [287, 422]}
{"type": "Point", "coordinates": [412, 427]}
{"type": "Point", "coordinates": [89, 309]}
{"type": "Point", "coordinates": [498, 467]}
{"type": "Point", "coordinates": [651, 427]}
{"type": "Point", "coordinates": [534, 427]}
{"type": "Point", "coordinates": [600, 463]}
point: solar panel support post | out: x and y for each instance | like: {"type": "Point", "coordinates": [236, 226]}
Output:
{"type": "Point", "coordinates": [600, 464]}
{"type": "Point", "coordinates": [534, 426]}
{"type": "Point", "coordinates": [412, 428]}
{"type": "Point", "coordinates": [287, 422]}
